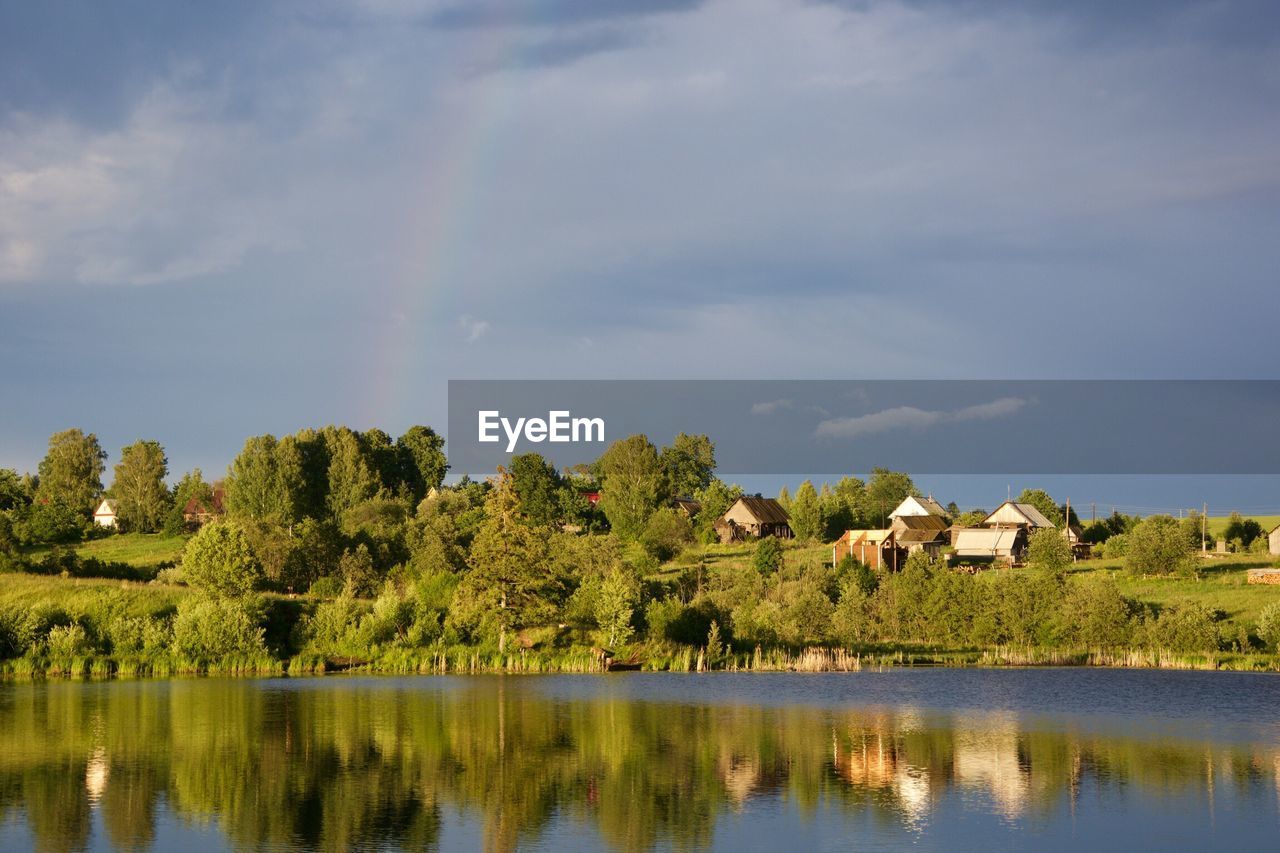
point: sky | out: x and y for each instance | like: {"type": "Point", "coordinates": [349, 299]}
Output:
{"type": "Point", "coordinates": [224, 219]}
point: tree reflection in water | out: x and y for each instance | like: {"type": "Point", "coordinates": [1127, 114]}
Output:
{"type": "Point", "coordinates": [339, 765]}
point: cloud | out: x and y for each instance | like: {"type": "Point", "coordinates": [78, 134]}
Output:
{"type": "Point", "coordinates": [913, 418]}
{"type": "Point", "coordinates": [472, 328]}
{"type": "Point", "coordinates": [770, 407]}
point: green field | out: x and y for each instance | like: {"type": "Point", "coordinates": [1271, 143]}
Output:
{"type": "Point", "coordinates": [144, 550]}
{"type": "Point", "coordinates": [1217, 524]}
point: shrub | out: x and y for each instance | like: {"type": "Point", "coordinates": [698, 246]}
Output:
{"type": "Point", "coordinates": [219, 560]}
{"type": "Point", "coordinates": [334, 625]}
{"type": "Point", "coordinates": [359, 575]}
{"type": "Point", "coordinates": [862, 576]}
{"type": "Point", "coordinates": [209, 629]}
{"type": "Point", "coordinates": [54, 521]}
{"type": "Point", "coordinates": [1158, 546]}
{"type": "Point", "coordinates": [1269, 625]}
{"type": "Point", "coordinates": [1186, 627]}
{"type": "Point", "coordinates": [1097, 615]}
{"type": "Point", "coordinates": [1115, 546]}
{"type": "Point", "coordinates": [619, 593]}
{"type": "Point", "coordinates": [1049, 549]}
{"type": "Point", "coordinates": [666, 533]}
{"type": "Point", "coordinates": [66, 642]}
{"type": "Point", "coordinates": [767, 558]}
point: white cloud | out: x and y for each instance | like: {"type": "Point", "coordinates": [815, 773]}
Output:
{"type": "Point", "coordinates": [770, 407]}
{"type": "Point", "coordinates": [472, 328]}
{"type": "Point", "coordinates": [913, 418]}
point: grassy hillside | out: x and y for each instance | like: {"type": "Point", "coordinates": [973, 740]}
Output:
{"type": "Point", "coordinates": [144, 550]}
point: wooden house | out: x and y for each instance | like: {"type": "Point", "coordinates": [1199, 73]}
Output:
{"type": "Point", "coordinates": [990, 545]}
{"type": "Point", "coordinates": [929, 533]}
{"type": "Point", "coordinates": [105, 514]}
{"type": "Point", "coordinates": [875, 548]}
{"type": "Point", "coordinates": [687, 507]}
{"type": "Point", "coordinates": [1080, 549]}
{"type": "Point", "coordinates": [753, 518]}
{"type": "Point", "coordinates": [913, 506]}
{"type": "Point", "coordinates": [1021, 515]}
{"type": "Point", "coordinates": [1273, 540]}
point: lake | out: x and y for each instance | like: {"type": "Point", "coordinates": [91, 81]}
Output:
{"type": "Point", "coordinates": [935, 759]}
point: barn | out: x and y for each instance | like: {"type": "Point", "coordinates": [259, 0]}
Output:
{"type": "Point", "coordinates": [753, 517]}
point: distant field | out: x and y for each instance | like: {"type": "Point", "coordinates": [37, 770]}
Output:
{"type": "Point", "coordinates": [1217, 524]}
{"type": "Point", "coordinates": [145, 550]}
{"type": "Point", "coordinates": [101, 599]}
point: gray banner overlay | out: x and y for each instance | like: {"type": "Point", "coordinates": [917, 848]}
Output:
{"type": "Point", "coordinates": [920, 426]}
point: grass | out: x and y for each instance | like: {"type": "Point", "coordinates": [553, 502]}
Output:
{"type": "Point", "coordinates": [1218, 523]}
{"type": "Point", "coordinates": [144, 550]}
{"type": "Point", "coordinates": [88, 596]}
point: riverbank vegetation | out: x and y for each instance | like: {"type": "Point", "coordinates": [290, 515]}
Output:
{"type": "Point", "coordinates": [344, 550]}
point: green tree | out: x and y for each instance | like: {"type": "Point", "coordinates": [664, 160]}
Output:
{"type": "Point", "coordinates": [1041, 500]}
{"type": "Point", "coordinates": [1241, 531]}
{"type": "Point", "coordinates": [767, 558]}
{"type": "Point", "coordinates": [688, 464]}
{"type": "Point", "coordinates": [352, 479]}
{"type": "Point", "coordinates": [884, 492]}
{"type": "Point", "coordinates": [666, 533]}
{"type": "Point", "coordinates": [220, 561]}
{"type": "Point", "coordinates": [714, 501]}
{"type": "Point", "coordinates": [784, 498]}
{"type": "Point", "coordinates": [15, 491]}
{"type": "Point", "coordinates": [422, 460]}
{"type": "Point", "coordinates": [142, 499]}
{"type": "Point", "coordinates": [71, 471]}
{"type": "Point", "coordinates": [1049, 549]}
{"type": "Point", "coordinates": [631, 484]}
{"type": "Point", "coordinates": [1157, 546]}
{"type": "Point", "coordinates": [1269, 625]}
{"type": "Point", "coordinates": [265, 482]}
{"type": "Point", "coordinates": [618, 597]}
{"type": "Point", "coordinates": [509, 581]}
{"type": "Point", "coordinates": [192, 485]}
{"type": "Point", "coordinates": [539, 487]}
{"type": "Point", "coordinates": [806, 513]}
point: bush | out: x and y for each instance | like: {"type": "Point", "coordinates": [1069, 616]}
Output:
{"type": "Point", "coordinates": [66, 642]}
{"type": "Point", "coordinates": [1049, 549]}
{"type": "Point", "coordinates": [1269, 625]}
{"type": "Point", "coordinates": [1186, 627]}
{"type": "Point", "coordinates": [767, 558]}
{"type": "Point", "coordinates": [1116, 546]}
{"type": "Point", "coordinates": [666, 533]}
{"type": "Point", "coordinates": [209, 629]}
{"type": "Point", "coordinates": [1158, 546]}
{"type": "Point", "coordinates": [219, 560]}
{"type": "Point", "coordinates": [1097, 615]}
{"type": "Point", "coordinates": [329, 586]}
{"type": "Point", "coordinates": [56, 522]}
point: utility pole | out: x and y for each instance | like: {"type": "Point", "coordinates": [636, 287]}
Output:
{"type": "Point", "coordinates": [1093, 512]}
{"type": "Point", "coordinates": [1204, 529]}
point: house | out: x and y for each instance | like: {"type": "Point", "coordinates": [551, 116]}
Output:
{"type": "Point", "coordinates": [687, 507]}
{"type": "Point", "coordinates": [198, 511]}
{"type": "Point", "coordinates": [753, 517]}
{"type": "Point", "coordinates": [874, 548]}
{"type": "Point", "coordinates": [105, 514]}
{"type": "Point", "coordinates": [1022, 515]}
{"type": "Point", "coordinates": [1080, 549]}
{"type": "Point", "coordinates": [1273, 540]}
{"type": "Point", "coordinates": [990, 544]}
{"type": "Point", "coordinates": [928, 533]}
{"type": "Point", "coordinates": [913, 506]}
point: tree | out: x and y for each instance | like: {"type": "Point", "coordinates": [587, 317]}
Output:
{"type": "Point", "coordinates": [1157, 546]}
{"type": "Point", "coordinates": [666, 533]}
{"type": "Point", "coordinates": [71, 472]}
{"type": "Point", "coordinates": [1241, 531]}
{"type": "Point", "coordinates": [142, 499]}
{"type": "Point", "coordinates": [1040, 499]}
{"type": "Point", "coordinates": [265, 481]}
{"type": "Point", "coordinates": [1049, 549]}
{"type": "Point", "coordinates": [539, 488]}
{"type": "Point", "coordinates": [884, 492]}
{"type": "Point", "coordinates": [767, 558]}
{"type": "Point", "coordinates": [1269, 625]}
{"type": "Point", "coordinates": [509, 579]}
{"type": "Point", "coordinates": [15, 491]}
{"type": "Point", "coordinates": [192, 485]}
{"type": "Point", "coordinates": [714, 501]}
{"type": "Point", "coordinates": [615, 604]}
{"type": "Point", "coordinates": [352, 479]}
{"type": "Point", "coordinates": [631, 484]}
{"type": "Point", "coordinates": [688, 464]}
{"type": "Point", "coordinates": [422, 460]}
{"type": "Point", "coordinates": [806, 513]}
{"type": "Point", "coordinates": [219, 560]}
{"type": "Point", "coordinates": [784, 498]}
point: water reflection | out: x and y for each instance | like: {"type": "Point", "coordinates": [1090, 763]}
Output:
{"type": "Point", "coordinates": [340, 765]}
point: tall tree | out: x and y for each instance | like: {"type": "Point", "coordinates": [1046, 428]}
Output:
{"type": "Point", "coordinates": [806, 512]}
{"type": "Point", "coordinates": [688, 464]}
{"type": "Point", "coordinates": [192, 485]}
{"type": "Point", "coordinates": [1040, 499]}
{"type": "Point", "coordinates": [631, 484]}
{"type": "Point", "coordinates": [15, 491]}
{"type": "Point", "coordinates": [352, 479]}
{"type": "Point", "coordinates": [71, 472]}
{"type": "Point", "coordinates": [138, 487]}
{"type": "Point", "coordinates": [220, 561]}
{"type": "Point", "coordinates": [509, 576]}
{"type": "Point", "coordinates": [884, 492]}
{"type": "Point", "coordinates": [422, 460]}
{"type": "Point", "coordinates": [714, 501]}
{"type": "Point", "coordinates": [539, 488]}
{"type": "Point", "coordinates": [265, 481]}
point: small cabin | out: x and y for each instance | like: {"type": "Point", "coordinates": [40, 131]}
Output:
{"type": "Point", "coordinates": [199, 511]}
{"type": "Point", "coordinates": [874, 548]}
{"type": "Point", "coordinates": [687, 507]}
{"type": "Point", "coordinates": [990, 545]}
{"type": "Point", "coordinates": [105, 514]}
{"type": "Point", "coordinates": [929, 533]}
{"type": "Point", "coordinates": [753, 518]}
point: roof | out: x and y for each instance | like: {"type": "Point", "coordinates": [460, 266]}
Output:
{"type": "Point", "coordinates": [985, 539]}
{"type": "Point", "coordinates": [109, 503]}
{"type": "Point", "coordinates": [765, 510]}
{"type": "Point", "coordinates": [213, 505]}
{"type": "Point", "coordinates": [929, 505]}
{"type": "Point", "coordinates": [1033, 516]}
{"type": "Point", "coordinates": [920, 522]}
{"type": "Point", "coordinates": [689, 505]}
{"type": "Point", "coordinates": [920, 535]}
{"type": "Point", "coordinates": [872, 535]}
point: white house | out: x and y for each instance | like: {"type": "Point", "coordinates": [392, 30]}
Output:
{"type": "Point", "coordinates": [1014, 514]}
{"type": "Point", "coordinates": [105, 514]}
{"type": "Point", "coordinates": [913, 506]}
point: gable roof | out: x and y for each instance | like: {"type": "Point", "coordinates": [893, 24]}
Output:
{"type": "Point", "coordinates": [931, 534]}
{"type": "Point", "coordinates": [110, 505]}
{"type": "Point", "coordinates": [926, 505]}
{"type": "Point", "coordinates": [920, 522]}
{"type": "Point", "coordinates": [1032, 516]}
{"type": "Point", "coordinates": [764, 510]}
{"type": "Point", "coordinates": [985, 539]}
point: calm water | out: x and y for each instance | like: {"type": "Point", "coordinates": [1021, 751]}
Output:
{"type": "Point", "coordinates": [932, 759]}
